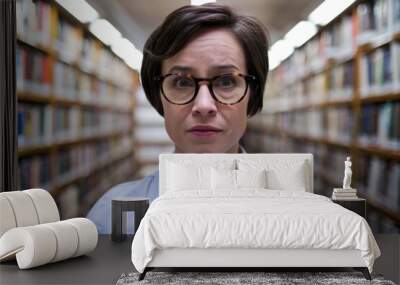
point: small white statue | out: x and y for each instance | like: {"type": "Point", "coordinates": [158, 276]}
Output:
{"type": "Point", "coordinates": [347, 174]}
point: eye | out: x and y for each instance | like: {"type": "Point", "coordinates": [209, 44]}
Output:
{"type": "Point", "coordinates": [182, 82]}
{"type": "Point", "coordinates": [226, 81]}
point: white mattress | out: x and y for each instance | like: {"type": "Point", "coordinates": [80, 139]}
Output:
{"type": "Point", "coordinates": [256, 257]}
{"type": "Point", "coordinates": [257, 218]}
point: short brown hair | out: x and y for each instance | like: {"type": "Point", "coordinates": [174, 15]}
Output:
{"type": "Point", "coordinates": [183, 24]}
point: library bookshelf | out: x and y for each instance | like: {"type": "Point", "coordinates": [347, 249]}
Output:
{"type": "Point", "coordinates": [75, 108]}
{"type": "Point", "coordinates": [338, 95]}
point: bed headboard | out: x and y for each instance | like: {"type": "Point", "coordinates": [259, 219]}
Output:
{"type": "Point", "coordinates": [272, 157]}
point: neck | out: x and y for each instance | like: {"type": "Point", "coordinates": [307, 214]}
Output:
{"type": "Point", "coordinates": [233, 149]}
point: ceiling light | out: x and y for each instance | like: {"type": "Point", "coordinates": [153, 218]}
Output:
{"type": "Point", "coordinates": [80, 9]}
{"type": "Point", "coordinates": [134, 61]}
{"type": "Point", "coordinates": [106, 32]}
{"type": "Point", "coordinates": [122, 47]}
{"type": "Point", "coordinates": [281, 50]}
{"type": "Point", "coordinates": [200, 2]}
{"type": "Point", "coordinates": [301, 33]}
{"type": "Point", "coordinates": [125, 49]}
{"type": "Point", "coordinates": [273, 60]}
{"type": "Point", "coordinates": [328, 10]}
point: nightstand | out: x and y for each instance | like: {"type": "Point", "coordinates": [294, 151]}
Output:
{"type": "Point", "coordinates": [120, 206]}
{"type": "Point", "coordinates": [358, 205]}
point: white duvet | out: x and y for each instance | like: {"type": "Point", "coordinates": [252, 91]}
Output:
{"type": "Point", "coordinates": [256, 218]}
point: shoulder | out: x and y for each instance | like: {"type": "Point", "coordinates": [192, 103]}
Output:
{"type": "Point", "coordinates": [133, 188]}
{"type": "Point", "coordinates": [100, 213]}
{"type": "Point", "coordinates": [123, 189]}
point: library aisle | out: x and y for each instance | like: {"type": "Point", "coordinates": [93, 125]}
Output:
{"type": "Point", "coordinates": [336, 95]}
{"type": "Point", "coordinates": [75, 117]}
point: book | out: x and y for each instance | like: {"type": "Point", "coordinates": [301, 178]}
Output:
{"type": "Point", "coordinates": [344, 191]}
{"type": "Point", "coordinates": [379, 71]}
{"type": "Point", "coordinates": [366, 21]}
{"type": "Point", "coordinates": [341, 81]}
{"type": "Point", "coordinates": [34, 172]}
{"type": "Point", "coordinates": [396, 64]}
{"type": "Point", "coordinates": [384, 123]}
{"type": "Point", "coordinates": [67, 40]}
{"type": "Point", "coordinates": [65, 81]}
{"type": "Point", "coordinates": [394, 133]}
{"type": "Point", "coordinates": [32, 72]}
{"type": "Point", "coordinates": [344, 197]}
{"type": "Point", "coordinates": [339, 194]}
{"type": "Point", "coordinates": [379, 125]}
{"type": "Point", "coordinates": [393, 194]}
{"type": "Point", "coordinates": [377, 179]}
{"type": "Point", "coordinates": [395, 15]}
{"type": "Point", "coordinates": [339, 124]}
{"type": "Point", "coordinates": [34, 124]}
{"type": "Point", "coordinates": [377, 19]}
{"type": "Point", "coordinates": [381, 15]}
{"type": "Point", "coordinates": [339, 44]}
{"type": "Point", "coordinates": [33, 21]}
{"type": "Point", "coordinates": [387, 68]}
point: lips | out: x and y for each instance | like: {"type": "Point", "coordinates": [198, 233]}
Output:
{"type": "Point", "coordinates": [204, 131]}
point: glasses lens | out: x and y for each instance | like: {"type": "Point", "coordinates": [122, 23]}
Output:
{"type": "Point", "coordinates": [229, 88]}
{"type": "Point", "coordinates": [178, 89]}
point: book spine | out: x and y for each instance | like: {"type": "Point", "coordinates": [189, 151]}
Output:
{"type": "Point", "coordinates": [34, 172]}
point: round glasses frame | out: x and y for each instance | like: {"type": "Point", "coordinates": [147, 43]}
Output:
{"type": "Point", "coordinates": [248, 79]}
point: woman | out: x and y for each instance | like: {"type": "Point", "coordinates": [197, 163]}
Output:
{"type": "Point", "coordinates": [204, 70]}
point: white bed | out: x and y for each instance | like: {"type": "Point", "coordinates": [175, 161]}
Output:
{"type": "Point", "coordinates": [203, 220]}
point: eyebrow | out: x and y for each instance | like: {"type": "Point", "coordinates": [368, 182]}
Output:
{"type": "Point", "coordinates": [188, 69]}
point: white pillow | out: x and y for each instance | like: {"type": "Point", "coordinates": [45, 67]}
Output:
{"type": "Point", "coordinates": [295, 181]}
{"type": "Point", "coordinates": [188, 174]}
{"type": "Point", "coordinates": [251, 178]}
{"type": "Point", "coordinates": [280, 174]}
{"type": "Point", "coordinates": [181, 178]}
{"type": "Point", "coordinates": [223, 179]}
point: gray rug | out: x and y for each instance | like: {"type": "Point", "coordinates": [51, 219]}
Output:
{"type": "Point", "coordinates": [228, 278]}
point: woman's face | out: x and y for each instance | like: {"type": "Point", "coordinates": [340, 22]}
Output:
{"type": "Point", "coordinates": [211, 53]}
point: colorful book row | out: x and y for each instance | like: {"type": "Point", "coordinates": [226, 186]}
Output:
{"type": "Point", "coordinates": [38, 74]}
{"type": "Point", "coordinates": [41, 24]}
{"type": "Point", "coordinates": [40, 124]}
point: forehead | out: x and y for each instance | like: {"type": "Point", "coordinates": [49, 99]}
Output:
{"type": "Point", "coordinates": [210, 50]}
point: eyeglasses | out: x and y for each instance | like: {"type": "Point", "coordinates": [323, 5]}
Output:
{"type": "Point", "coordinates": [227, 89]}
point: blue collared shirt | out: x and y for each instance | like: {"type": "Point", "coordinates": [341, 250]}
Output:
{"type": "Point", "coordinates": [100, 214]}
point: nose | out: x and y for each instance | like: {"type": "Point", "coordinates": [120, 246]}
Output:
{"type": "Point", "coordinates": [204, 104]}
